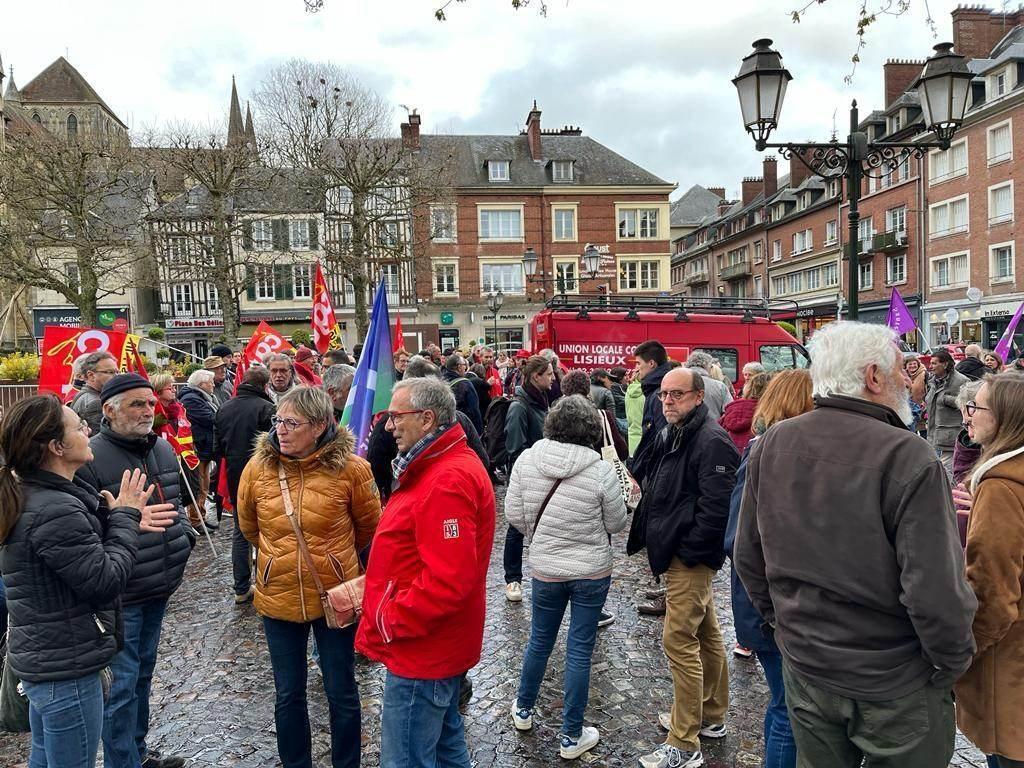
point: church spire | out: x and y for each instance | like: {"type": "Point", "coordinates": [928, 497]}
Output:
{"type": "Point", "coordinates": [12, 94]}
{"type": "Point", "coordinates": [236, 130]}
{"type": "Point", "coordinates": [250, 132]}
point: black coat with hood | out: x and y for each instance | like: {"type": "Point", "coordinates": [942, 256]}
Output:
{"type": "Point", "coordinates": [685, 506]}
{"type": "Point", "coordinates": [653, 422]}
{"type": "Point", "coordinates": [65, 563]}
{"type": "Point", "coordinates": [237, 424]}
{"type": "Point", "coordinates": [524, 421]}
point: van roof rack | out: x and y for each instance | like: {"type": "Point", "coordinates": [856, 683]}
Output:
{"type": "Point", "coordinates": [679, 305]}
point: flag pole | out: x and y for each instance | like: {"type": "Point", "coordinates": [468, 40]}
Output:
{"type": "Point", "coordinates": [201, 511]}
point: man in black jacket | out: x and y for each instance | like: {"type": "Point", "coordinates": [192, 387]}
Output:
{"type": "Point", "coordinates": [681, 522]}
{"type": "Point", "coordinates": [971, 366]}
{"type": "Point", "coordinates": [235, 429]}
{"type": "Point", "coordinates": [466, 400]}
{"type": "Point", "coordinates": [652, 365]}
{"type": "Point", "coordinates": [126, 441]}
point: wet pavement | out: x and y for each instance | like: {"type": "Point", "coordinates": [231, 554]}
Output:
{"type": "Point", "coordinates": [213, 693]}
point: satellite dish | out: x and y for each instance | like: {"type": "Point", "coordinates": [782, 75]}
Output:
{"type": "Point", "coordinates": [952, 316]}
{"type": "Point", "coordinates": [974, 294]}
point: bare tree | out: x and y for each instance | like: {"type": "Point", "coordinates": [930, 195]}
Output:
{"type": "Point", "coordinates": [71, 217]}
{"type": "Point", "coordinates": [378, 187]}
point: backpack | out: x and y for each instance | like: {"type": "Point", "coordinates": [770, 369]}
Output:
{"type": "Point", "coordinates": [494, 431]}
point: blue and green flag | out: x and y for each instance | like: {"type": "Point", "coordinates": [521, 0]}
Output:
{"type": "Point", "coordinates": [375, 374]}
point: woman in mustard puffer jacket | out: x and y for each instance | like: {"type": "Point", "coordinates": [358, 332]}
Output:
{"type": "Point", "coordinates": [337, 506]}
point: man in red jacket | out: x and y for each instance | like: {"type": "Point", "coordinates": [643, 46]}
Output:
{"type": "Point", "coordinates": [425, 598]}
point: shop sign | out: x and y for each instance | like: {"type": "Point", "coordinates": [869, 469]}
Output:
{"type": "Point", "coordinates": [70, 317]}
{"type": "Point", "coordinates": [999, 310]}
{"type": "Point", "coordinates": [503, 318]}
{"type": "Point", "coordinates": [592, 354]}
{"type": "Point", "coordinates": [180, 323]}
{"type": "Point", "coordinates": [447, 318]}
{"type": "Point", "coordinates": [821, 311]}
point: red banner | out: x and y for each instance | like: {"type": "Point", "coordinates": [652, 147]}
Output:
{"type": "Point", "coordinates": [399, 340]}
{"type": "Point", "coordinates": [62, 346]}
{"type": "Point", "coordinates": [326, 331]}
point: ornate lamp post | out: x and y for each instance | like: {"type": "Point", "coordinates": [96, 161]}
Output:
{"type": "Point", "coordinates": [591, 266]}
{"type": "Point", "coordinates": [943, 87]}
{"type": "Point", "coordinates": [494, 302]}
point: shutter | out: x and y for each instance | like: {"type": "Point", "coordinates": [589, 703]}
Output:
{"type": "Point", "coordinates": [250, 281]}
{"type": "Point", "coordinates": [283, 281]}
{"type": "Point", "coordinates": [314, 235]}
{"type": "Point", "coordinates": [247, 235]}
{"type": "Point", "coordinates": [285, 235]}
{"type": "Point", "coordinates": [275, 234]}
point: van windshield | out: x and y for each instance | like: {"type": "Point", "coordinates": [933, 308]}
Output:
{"type": "Point", "coordinates": [727, 358]}
{"type": "Point", "coordinates": [782, 356]}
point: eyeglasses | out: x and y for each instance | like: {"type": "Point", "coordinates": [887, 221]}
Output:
{"type": "Point", "coordinates": [392, 415]}
{"type": "Point", "coordinates": [84, 428]}
{"type": "Point", "coordinates": [972, 408]}
{"type": "Point", "coordinates": [107, 372]}
{"type": "Point", "coordinates": [290, 425]}
{"type": "Point", "coordinates": [673, 394]}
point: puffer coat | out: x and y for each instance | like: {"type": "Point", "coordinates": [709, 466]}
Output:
{"type": "Point", "coordinates": [571, 541]}
{"type": "Point", "coordinates": [337, 507]}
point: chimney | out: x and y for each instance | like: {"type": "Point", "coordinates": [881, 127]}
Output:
{"type": "Point", "coordinates": [752, 187]}
{"type": "Point", "coordinates": [718, 192]}
{"type": "Point", "coordinates": [898, 75]}
{"type": "Point", "coordinates": [770, 169]}
{"type": "Point", "coordinates": [724, 206]}
{"type": "Point", "coordinates": [797, 171]}
{"type": "Point", "coordinates": [533, 131]}
{"type": "Point", "coordinates": [976, 29]}
{"type": "Point", "coordinates": [411, 132]}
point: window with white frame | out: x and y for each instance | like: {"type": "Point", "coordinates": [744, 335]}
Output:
{"type": "Point", "coordinates": [902, 172]}
{"type": "Point", "coordinates": [1000, 143]}
{"type": "Point", "coordinates": [207, 241]}
{"type": "Point", "coordinates": [72, 275]}
{"type": "Point", "coordinates": [263, 282]}
{"type": "Point", "coordinates": [776, 250]}
{"type": "Point", "coordinates": [639, 275]}
{"type": "Point", "coordinates": [182, 293]}
{"type": "Point", "coordinates": [638, 223]}
{"type": "Point", "coordinates": [565, 224]}
{"type": "Point", "coordinates": [446, 278]}
{"type": "Point", "coordinates": [340, 198]}
{"type": "Point", "coordinates": [508, 278]}
{"type": "Point", "coordinates": [302, 278]}
{"type": "Point", "coordinates": [1001, 258]}
{"type": "Point", "coordinates": [497, 170]}
{"type": "Point", "coordinates": [263, 235]}
{"type": "Point", "coordinates": [867, 274]}
{"type": "Point", "coordinates": [831, 232]}
{"type": "Point", "coordinates": [948, 217]}
{"type": "Point", "coordinates": [177, 249]}
{"type": "Point", "coordinates": [213, 298]}
{"type": "Point", "coordinates": [813, 279]}
{"type": "Point", "coordinates": [567, 276]}
{"type": "Point", "coordinates": [389, 236]}
{"type": "Point", "coordinates": [833, 188]}
{"type": "Point", "coordinates": [442, 224]}
{"type": "Point", "coordinates": [866, 234]}
{"type": "Point", "coordinates": [389, 272]}
{"type": "Point", "coordinates": [803, 241]}
{"type": "Point", "coordinates": [778, 286]}
{"type": "Point", "coordinates": [758, 255]}
{"type": "Point", "coordinates": [830, 275]}
{"type": "Point", "coordinates": [501, 224]}
{"type": "Point", "coordinates": [345, 236]}
{"type": "Point", "coordinates": [298, 231]}
{"type": "Point", "coordinates": [998, 83]}
{"type": "Point", "coordinates": [947, 164]}
{"type": "Point", "coordinates": [1000, 203]}
{"type": "Point", "coordinates": [950, 271]}
{"type": "Point", "coordinates": [758, 287]}
{"type": "Point", "coordinates": [561, 170]}
{"type": "Point", "coordinates": [896, 269]}
{"type": "Point", "coordinates": [794, 282]}
{"type": "Point", "coordinates": [896, 219]}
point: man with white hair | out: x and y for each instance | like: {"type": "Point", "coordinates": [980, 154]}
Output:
{"type": "Point", "coordinates": [717, 394]}
{"type": "Point", "coordinates": [972, 366]}
{"type": "Point", "coordinates": [849, 550]}
{"type": "Point", "coordinates": [282, 375]}
{"type": "Point", "coordinates": [751, 369]}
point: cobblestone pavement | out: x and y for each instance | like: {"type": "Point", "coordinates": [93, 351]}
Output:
{"type": "Point", "coordinates": [213, 694]}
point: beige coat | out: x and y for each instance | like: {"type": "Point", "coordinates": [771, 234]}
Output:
{"type": "Point", "coordinates": [990, 695]}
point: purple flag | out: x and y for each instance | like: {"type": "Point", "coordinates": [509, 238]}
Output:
{"type": "Point", "coordinates": [1003, 347]}
{"type": "Point", "coordinates": [900, 319]}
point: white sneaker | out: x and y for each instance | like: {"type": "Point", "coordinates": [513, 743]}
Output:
{"type": "Point", "coordinates": [667, 756]}
{"type": "Point", "coordinates": [570, 749]}
{"type": "Point", "coordinates": [713, 731]}
{"type": "Point", "coordinates": [522, 719]}
{"type": "Point", "coordinates": [514, 592]}
{"type": "Point", "coordinates": [665, 720]}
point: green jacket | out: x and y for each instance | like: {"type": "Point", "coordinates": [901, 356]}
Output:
{"type": "Point", "coordinates": [634, 414]}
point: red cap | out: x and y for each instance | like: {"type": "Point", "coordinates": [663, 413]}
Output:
{"type": "Point", "coordinates": [522, 354]}
{"type": "Point", "coordinates": [303, 354]}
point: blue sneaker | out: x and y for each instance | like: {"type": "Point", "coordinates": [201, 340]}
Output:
{"type": "Point", "coordinates": [570, 749]}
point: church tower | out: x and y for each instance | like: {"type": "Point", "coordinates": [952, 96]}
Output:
{"type": "Point", "coordinates": [236, 128]}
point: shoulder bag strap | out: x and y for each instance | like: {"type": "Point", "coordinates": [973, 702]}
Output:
{"type": "Point", "coordinates": [289, 510]}
{"type": "Point", "coordinates": [544, 504]}
{"type": "Point", "coordinates": [606, 429]}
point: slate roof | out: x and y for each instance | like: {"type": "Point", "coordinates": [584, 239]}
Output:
{"type": "Point", "coordinates": [695, 204]}
{"type": "Point", "coordinates": [266, 191]}
{"type": "Point", "coordinates": [62, 83]}
{"type": "Point", "coordinates": [593, 163]}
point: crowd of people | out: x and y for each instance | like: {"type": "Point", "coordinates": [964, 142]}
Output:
{"type": "Point", "coordinates": [870, 511]}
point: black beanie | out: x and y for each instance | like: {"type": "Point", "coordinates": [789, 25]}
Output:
{"type": "Point", "coordinates": [221, 350]}
{"type": "Point", "coordinates": [122, 383]}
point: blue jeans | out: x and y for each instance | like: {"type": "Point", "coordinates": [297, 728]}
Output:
{"type": "Point", "coordinates": [287, 642]}
{"type": "Point", "coordinates": [779, 746]}
{"type": "Point", "coordinates": [993, 761]}
{"type": "Point", "coordinates": [512, 556]}
{"type": "Point", "coordinates": [421, 726]}
{"type": "Point", "coordinates": [126, 716]}
{"type": "Point", "coordinates": [587, 597]}
{"type": "Point", "coordinates": [66, 718]}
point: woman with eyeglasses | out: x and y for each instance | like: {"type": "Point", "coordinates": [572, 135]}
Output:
{"type": "Point", "coordinates": [66, 558]}
{"type": "Point", "coordinates": [306, 469]}
{"type": "Point", "coordinates": [989, 695]}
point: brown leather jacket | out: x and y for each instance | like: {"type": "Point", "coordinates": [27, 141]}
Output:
{"type": "Point", "coordinates": [337, 507]}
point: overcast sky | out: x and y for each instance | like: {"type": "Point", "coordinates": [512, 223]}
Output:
{"type": "Point", "coordinates": [648, 78]}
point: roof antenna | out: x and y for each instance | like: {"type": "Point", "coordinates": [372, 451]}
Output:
{"type": "Point", "coordinates": [67, 53]}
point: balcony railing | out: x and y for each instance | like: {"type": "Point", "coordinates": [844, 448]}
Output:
{"type": "Point", "coordinates": [736, 271]}
{"type": "Point", "coordinates": [890, 241]}
{"type": "Point", "coordinates": [696, 278]}
{"type": "Point", "coordinates": [182, 310]}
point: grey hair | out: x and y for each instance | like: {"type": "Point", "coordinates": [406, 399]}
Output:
{"type": "Point", "coordinates": [481, 349]}
{"type": "Point", "coordinates": [454, 361]}
{"type": "Point", "coordinates": [278, 357]}
{"type": "Point", "coordinates": [198, 377]}
{"type": "Point", "coordinates": [842, 351]}
{"type": "Point", "coordinates": [334, 377]}
{"type": "Point", "coordinates": [89, 363]}
{"type": "Point", "coordinates": [311, 402]}
{"type": "Point", "coordinates": [574, 420]}
{"type": "Point", "coordinates": [700, 359]}
{"type": "Point", "coordinates": [754, 366]}
{"type": "Point", "coordinates": [430, 394]}
{"type": "Point", "coordinates": [968, 392]}
{"type": "Point", "coordinates": [419, 367]}
{"type": "Point", "coordinates": [551, 355]}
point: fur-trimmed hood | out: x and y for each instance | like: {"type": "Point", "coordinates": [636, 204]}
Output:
{"type": "Point", "coordinates": [333, 454]}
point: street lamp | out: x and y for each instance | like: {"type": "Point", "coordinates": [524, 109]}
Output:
{"type": "Point", "coordinates": [494, 302]}
{"type": "Point", "coordinates": [591, 266]}
{"type": "Point", "coordinates": [943, 87]}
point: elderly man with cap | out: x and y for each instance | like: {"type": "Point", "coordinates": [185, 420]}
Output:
{"type": "Point", "coordinates": [223, 351]}
{"type": "Point", "coordinates": [222, 388]}
{"type": "Point", "coordinates": [126, 441]}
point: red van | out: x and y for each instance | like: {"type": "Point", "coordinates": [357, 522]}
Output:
{"type": "Point", "coordinates": [601, 332]}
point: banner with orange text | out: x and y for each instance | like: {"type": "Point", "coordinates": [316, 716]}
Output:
{"type": "Point", "coordinates": [63, 346]}
{"type": "Point", "coordinates": [326, 331]}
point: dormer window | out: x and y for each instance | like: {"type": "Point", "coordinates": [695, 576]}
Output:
{"type": "Point", "coordinates": [497, 170]}
{"type": "Point", "coordinates": [998, 83]}
{"type": "Point", "coordinates": [561, 170]}
{"type": "Point", "coordinates": [896, 121]}
{"type": "Point", "coordinates": [833, 188]}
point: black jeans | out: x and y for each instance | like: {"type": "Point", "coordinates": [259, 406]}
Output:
{"type": "Point", "coordinates": [287, 642]}
{"type": "Point", "coordinates": [241, 561]}
{"type": "Point", "coordinates": [513, 555]}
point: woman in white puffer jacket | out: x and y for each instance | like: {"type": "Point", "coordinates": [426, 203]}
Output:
{"type": "Point", "coordinates": [570, 556]}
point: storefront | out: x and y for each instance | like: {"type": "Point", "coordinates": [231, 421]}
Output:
{"type": "Point", "coordinates": [192, 336]}
{"type": "Point", "coordinates": [475, 325]}
{"type": "Point", "coordinates": [994, 320]}
{"type": "Point", "coordinates": [809, 319]}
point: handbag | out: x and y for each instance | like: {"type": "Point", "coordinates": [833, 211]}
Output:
{"type": "Point", "coordinates": [630, 488]}
{"type": "Point", "coordinates": [343, 604]}
{"type": "Point", "coordinates": [13, 701]}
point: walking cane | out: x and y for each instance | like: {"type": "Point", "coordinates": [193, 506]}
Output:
{"type": "Point", "coordinates": [200, 510]}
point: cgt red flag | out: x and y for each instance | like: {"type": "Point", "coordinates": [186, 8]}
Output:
{"type": "Point", "coordinates": [326, 331]}
{"type": "Point", "coordinates": [399, 341]}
